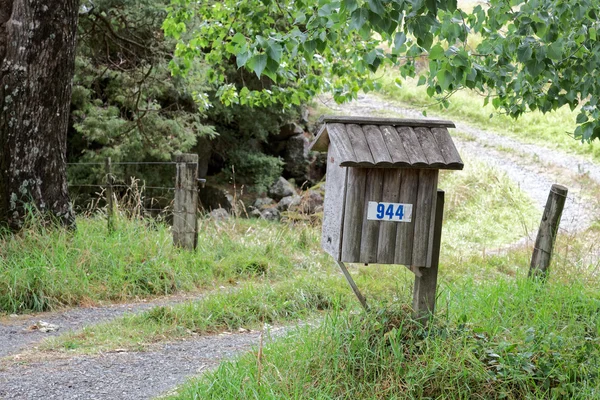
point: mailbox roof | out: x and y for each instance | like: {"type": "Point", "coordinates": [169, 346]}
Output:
{"type": "Point", "coordinates": [389, 143]}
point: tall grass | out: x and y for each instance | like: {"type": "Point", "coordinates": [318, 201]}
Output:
{"type": "Point", "coordinates": [496, 340]}
{"type": "Point", "coordinates": [44, 268]}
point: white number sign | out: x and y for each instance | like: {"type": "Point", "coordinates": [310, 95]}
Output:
{"type": "Point", "coordinates": [395, 212]}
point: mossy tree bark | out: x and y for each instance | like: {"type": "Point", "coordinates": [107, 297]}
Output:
{"type": "Point", "coordinates": [37, 57]}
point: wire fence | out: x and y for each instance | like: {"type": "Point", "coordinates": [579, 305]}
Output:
{"type": "Point", "coordinates": [135, 192]}
{"type": "Point", "coordinates": [167, 191]}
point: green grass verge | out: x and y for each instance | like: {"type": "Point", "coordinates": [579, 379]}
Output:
{"type": "Point", "coordinates": [483, 209]}
{"type": "Point", "coordinates": [41, 269]}
{"type": "Point", "coordinates": [498, 340]}
{"type": "Point", "coordinates": [553, 130]}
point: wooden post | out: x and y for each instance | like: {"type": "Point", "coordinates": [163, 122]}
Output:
{"type": "Point", "coordinates": [357, 292]}
{"type": "Point", "coordinates": [544, 244]}
{"type": "Point", "coordinates": [185, 222]}
{"type": "Point", "coordinates": [426, 284]}
{"type": "Point", "coordinates": [109, 196]}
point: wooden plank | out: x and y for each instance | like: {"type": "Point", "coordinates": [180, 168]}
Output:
{"type": "Point", "coordinates": [424, 292]}
{"type": "Point", "coordinates": [376, 143]}
{"type": "Point", "coordinates": [447, 148]}
{"type": "Point", "coordinates": [353, 214]}
{"type": "Point", "coordinates": [394, 146]}
{"type": "Point", "coordinates": [339, 137]}
{"type": "Point", "coordinates": [412, 146]}
{"type": "Point", "coordinates": [544, 243]}
{"type": "Point", "coordinates": [185, 204]}
{"type": "Point", "coordinates": [333, 206]}
{"type": "Point", "coordinates": [109, 196]}
{"type": "Point", "coordinates": [405, 231]}
{"type": "Point", "coordinates": [352, 284]}
{"type": "Point", "coordinates": [321, 140]}
{"type": "Point", "coordinates": [370, 229]}
{"type": "Point", "coordinates": [423, 218]}
{"type": "Point", "coordinates": [430, 147]}
{"type": "Point", "coordinates": [344, 119]}
{"type": "Point", "coordinates": [360, 145]}
{"type": "Point", "coordinates": [387, 230]}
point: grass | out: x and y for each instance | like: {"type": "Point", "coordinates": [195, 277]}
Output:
{"type": "Point", "coordinates": [250, 306]}
{"type": "Point", "coordinates": [553, 130]}
{"type": "Point", "coordinates": [43, 268]}
{"type": "Point", "coordinates": [497, 340]}
{"type": "Point", "coordinates": [502, 212]}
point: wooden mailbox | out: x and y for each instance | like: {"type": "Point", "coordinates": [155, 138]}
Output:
{"type": "Point", "coordinates": [381, 187]}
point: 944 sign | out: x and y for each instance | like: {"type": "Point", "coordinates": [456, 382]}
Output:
{"type": "Point", "coordinates": [395, 212]}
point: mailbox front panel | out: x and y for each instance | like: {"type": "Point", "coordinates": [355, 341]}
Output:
{"type": "Point", "coordinates": [390, 238]}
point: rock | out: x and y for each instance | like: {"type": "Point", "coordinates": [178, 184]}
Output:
{"type": "Point", "coordinates": [304, 115]}
{"type": "Point", "coordinates": [213, 197]}
{"type": "Point", "coordinates": [287, 131]}
{"type": "Point", "coordinates": [255, 213]}
{"type": "Point", "coordinates": [281, 189]}
{"type": "Point", "coordinates": [219, 214]}
{"type": "Point", "coordinates": [288, 202]}
{"type": "Point", "coordinates": [43, 326]}
{"type": "Point", "coordinates": [271, 214]}
{"type": "Point", "coordinates": [262, 202]}
{"type": "Point", "coordinates": [312, 202]}
{"type": "Point", "coordinates": [297, 158]}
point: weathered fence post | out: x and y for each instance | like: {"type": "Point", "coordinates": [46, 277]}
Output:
{"type": "Point", "coordinates": [544, 244]}
{"type": "Point", "coordinates": [425, 285]}
{"type": "Point", "coordinates": [185, 222]}
{"type": "Point", "coordinates": [109, 195]}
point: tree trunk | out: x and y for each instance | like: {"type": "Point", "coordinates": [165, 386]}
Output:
{"type": "Point", "coordinates": [37, 59]}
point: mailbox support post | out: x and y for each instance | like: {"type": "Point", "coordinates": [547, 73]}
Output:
{"type": "Point", "coordinates": [357, 292]}
{"type": "Point", "coordinates": [425, 285]}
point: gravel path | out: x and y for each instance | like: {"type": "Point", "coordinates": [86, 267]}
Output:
{"type": "Point", "coordinates": [121, 375]}
{"type": "Point", "coordinates": [143, 375]}
{"type": "Point", "coordinates": [17, 332]}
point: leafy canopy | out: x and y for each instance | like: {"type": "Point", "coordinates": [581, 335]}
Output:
{"type": "Point", "coordinates": [534, 54]}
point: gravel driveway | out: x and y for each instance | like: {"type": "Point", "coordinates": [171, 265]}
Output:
{"type": "Point", "coordinates": [143, 375]}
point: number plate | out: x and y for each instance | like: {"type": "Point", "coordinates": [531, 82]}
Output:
{"type": "Point", "coordinates": [395, 212]}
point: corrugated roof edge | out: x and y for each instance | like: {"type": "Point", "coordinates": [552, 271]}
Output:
{"type": "Point", "coordinates": [321, 140]}
{"type": "Point", "coordinates": [347, 119]}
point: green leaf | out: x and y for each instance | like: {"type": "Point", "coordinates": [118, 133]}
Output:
{"type": "Point", "coordinates": [431, 6]}
{"type": "Point", "coordinates": [326, 9]}
{"type": "Point", "coordinates": [399, 40]}
{"type": "Point", "coordinates": [581, 118]}
{"type": "Point", "coordinates": [524, 53]}
{"type": "Point", "coordinates": [358, 18]}
{"type": "Point", "coordinates": [422, 80]}
{"type": "Point", "coordinates": [592, 33]}
{"type": "Point", "coordinates": [376, 7]}
{"type": "Point", "coordinates": [436, 52]}
{"type": "Point", "coordinates": [555, 51]}
{"type": "Point", "coordinates": [238, 38]}
{"type": "Point", "coordinates": [242, 58]}
{"type": "Point", "coordinates": [349, 5]}
{"type": "Point", "coordinates": [425, 41]}
{"type": "Point", "coordinates": [273, 50]}
{"type": "Point", "coordinates": [451, 5]}
{"type": "Point", "coordinates": [258, 64]}
{"type": "Point", "coordinates": [535, 67]}
{"type": "Point", "coordinates": [445, 78]}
